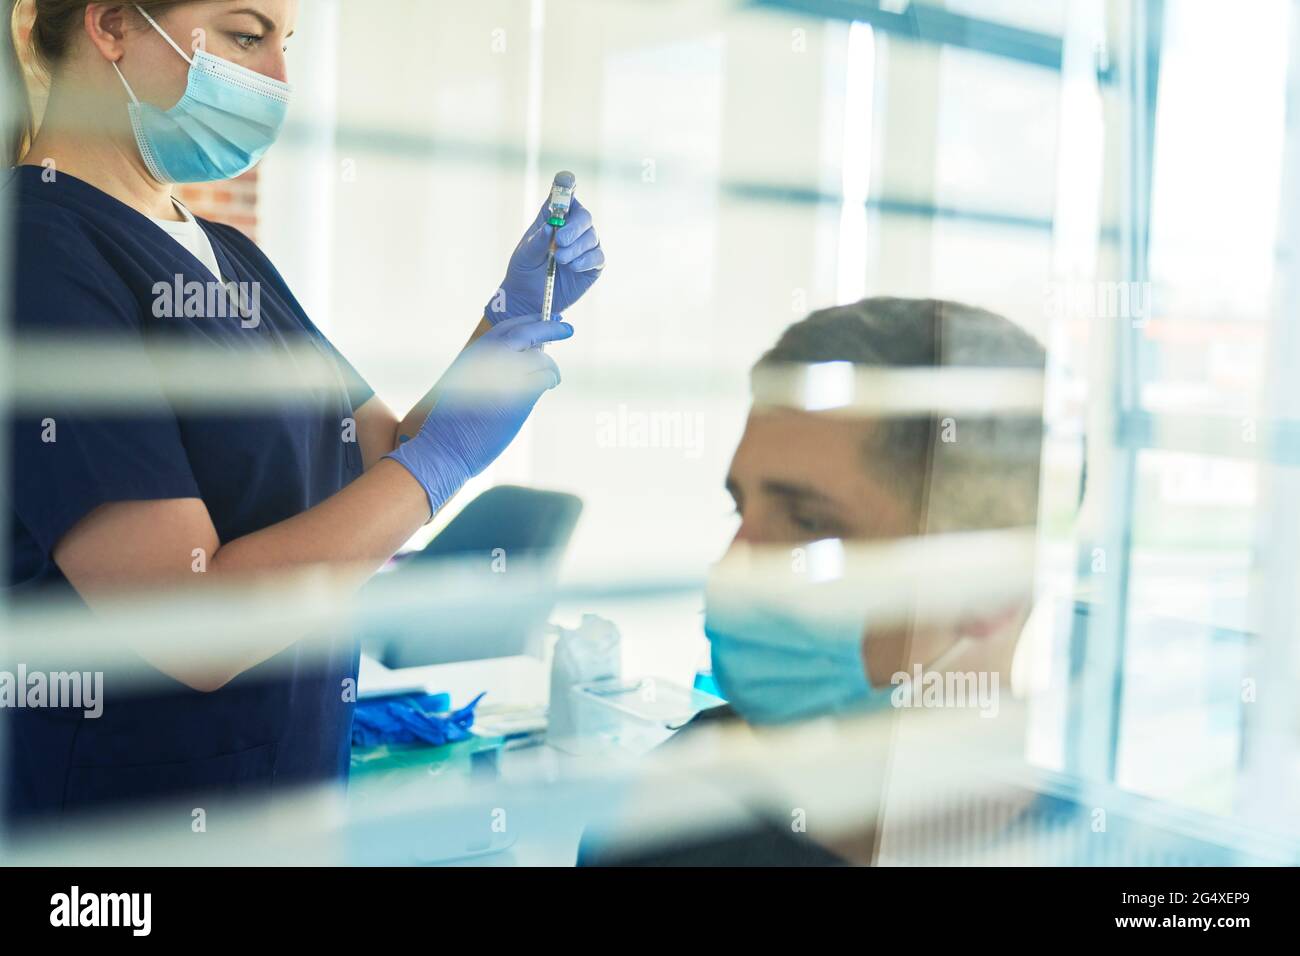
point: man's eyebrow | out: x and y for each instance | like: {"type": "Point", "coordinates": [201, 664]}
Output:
{"type": "Point", "coordinates": [733, 488]}
{"type": "Point", "coordinates": [785, 489]}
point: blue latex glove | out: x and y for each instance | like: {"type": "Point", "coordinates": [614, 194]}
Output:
{"type": "Point", "coordinates": [578, 259]}
{"type": "Point", "coordinates": [413, 719]}
{"type": "Point", "coordinates": [483, 401]}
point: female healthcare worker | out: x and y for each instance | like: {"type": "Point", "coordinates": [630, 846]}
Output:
{"type": "Point", "coordinates": [124, 501]}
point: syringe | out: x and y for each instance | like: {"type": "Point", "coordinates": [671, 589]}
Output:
{"type": "Point", "coordinates": [561, 199]}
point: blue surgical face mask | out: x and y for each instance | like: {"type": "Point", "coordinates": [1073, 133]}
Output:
{"type": "Point", "coordinates": [780, 657]}
{"type": "Point", "coordinates": [221, 128]}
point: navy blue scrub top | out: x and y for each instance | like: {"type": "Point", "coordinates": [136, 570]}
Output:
{"type": "Point", "coordinates": [86, 269]}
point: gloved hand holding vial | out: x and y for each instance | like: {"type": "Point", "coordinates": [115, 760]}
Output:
{"type": "Point", "coordinates": [556, 262]}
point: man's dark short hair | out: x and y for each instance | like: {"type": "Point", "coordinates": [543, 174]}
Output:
{"type": "Point", "coordinates": [986, 478]}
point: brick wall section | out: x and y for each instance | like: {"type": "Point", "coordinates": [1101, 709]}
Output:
{"type": "Point", "coordinates": [233, 202]}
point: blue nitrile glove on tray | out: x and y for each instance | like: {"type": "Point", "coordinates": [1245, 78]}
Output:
{"type": "Point", "coordinates": [579, 260]}
{"type": "Point", "coordinates": [411, 719]}
{"type": "Point", "coordinates": [483, 401]}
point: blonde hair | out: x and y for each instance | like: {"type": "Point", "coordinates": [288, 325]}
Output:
{"type": "Point", "coordinates": [54, 25]}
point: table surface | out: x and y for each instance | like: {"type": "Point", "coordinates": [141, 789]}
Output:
{"type": "Point", "coordinates": [512, 681]}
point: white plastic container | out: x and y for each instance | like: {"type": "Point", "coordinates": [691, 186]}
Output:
{"type": "Point", "coordinates": [635, 716]}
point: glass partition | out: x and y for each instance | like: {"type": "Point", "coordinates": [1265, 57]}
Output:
{"type": "Point", "coordinates": [1033, 468]}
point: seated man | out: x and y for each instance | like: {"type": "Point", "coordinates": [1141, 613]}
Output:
{"type": "Point", "coordinates": [806, 472]}
{"type": "Point", "coordinates": [802, 475]}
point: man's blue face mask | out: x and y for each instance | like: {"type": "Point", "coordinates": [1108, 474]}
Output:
{"type": "Point", "coordinates": [795, 653]}
{"type": "Point", "coordinates": [221, 128]}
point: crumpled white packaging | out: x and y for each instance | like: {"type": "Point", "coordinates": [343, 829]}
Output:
{"type": "Point", "coordinates": [591, 651]}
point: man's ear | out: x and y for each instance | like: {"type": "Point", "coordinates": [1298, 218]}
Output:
{"type": "Point", "coordinates": [106, 26]}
